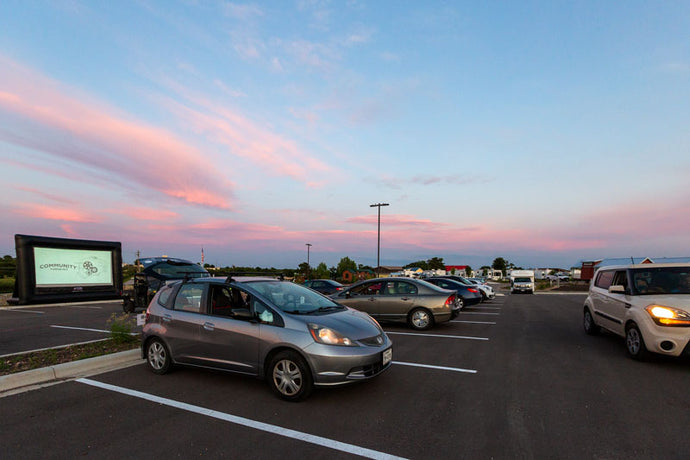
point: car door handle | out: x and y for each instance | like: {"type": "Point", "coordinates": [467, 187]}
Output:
{"type": "Point", "coordinates": [371, 299]}
{"type": "Point", "coordinates": [209, 326]}
{"type": "Point", "coordinates": [167, 318]}
{"type": "Point", "coordinates": [405, 298]}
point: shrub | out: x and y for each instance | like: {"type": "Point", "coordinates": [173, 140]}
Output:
{"type": "Point", "coordinates": [121, 327]}
{"type": "Point", "coordinates": [6, 285]}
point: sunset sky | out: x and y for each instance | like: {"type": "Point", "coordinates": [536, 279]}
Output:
{"type": "Point", "coordinates": [541, 132]}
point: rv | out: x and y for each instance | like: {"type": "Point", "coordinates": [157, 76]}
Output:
{"type": "Point", "coordinates": [522, 281]}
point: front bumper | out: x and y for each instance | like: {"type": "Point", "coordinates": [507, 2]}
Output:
{"type": "Point", "coordinates": [335, 365]}
{"type": "Point", "coordinates": [665, 340]}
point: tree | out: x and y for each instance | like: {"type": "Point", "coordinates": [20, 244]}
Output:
{"type": "Point", "coordinates": [333, 273]}
{"type": "Point", "coordinates": [468, 271]}
{"type": "Point", "coordinates": [499, 264]}
{"type": "Point", "coordinates": [436, 263]}
{"type": "Point", "coordinates": [322, 272]}
{"type": "Point", "coordinates": [304, 269]}
{"type": "Point", "coordinates": [8, 266]}
{"type": "Point", "coordinates": [346, 264]}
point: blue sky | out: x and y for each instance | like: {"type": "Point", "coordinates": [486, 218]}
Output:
{"type": "Point", "coordinates": [541, 132]}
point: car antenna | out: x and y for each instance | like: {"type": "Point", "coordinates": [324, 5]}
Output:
{"type": "Point", "coordinates": [632, 260]}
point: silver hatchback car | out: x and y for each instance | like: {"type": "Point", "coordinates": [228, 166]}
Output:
{"type": "Point", "coordinates": [293, 337]}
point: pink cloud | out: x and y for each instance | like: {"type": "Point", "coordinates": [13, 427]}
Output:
{"type": "Point", "coordinates": [147, 214]}
{"type": "Point", "coordinates": [50, 118]}
{"type": "Point", "coordinates": [39, 211]}
{"type": "Point", "coordinates": [45, 196]}
{"type": "Point", "coordinates": [248, 140]}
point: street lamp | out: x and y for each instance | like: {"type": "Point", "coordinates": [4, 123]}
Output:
{"type": "Point", "coordinates": [308, 267]}
{"type": "Point", "coordinates": [378, 246]}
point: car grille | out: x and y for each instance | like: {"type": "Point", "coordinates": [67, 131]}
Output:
{"type": "Point", "coordinates": [366, 371]}
{"type": "Point", "coordinates": [375, 341]}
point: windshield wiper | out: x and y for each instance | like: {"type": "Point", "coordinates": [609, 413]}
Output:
{"type": "Point", "coordinates": [331, 308]}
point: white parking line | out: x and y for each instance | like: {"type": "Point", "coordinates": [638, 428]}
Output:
{"type": "Point", "coordinates": [21, 310]}
{"type": "Point", "coordinates": [454, 369]}
{"type": "Point", "coordinates": [477, 313]}
{"type": "Point", "coordinates": [474, 322]}
{"type": "Point", "coordinates": [79, 328]}
{"type": "Point", "coordinates": [318, 440]}
{"type": "Point", "coordinates": [87, 329]}
{"type": "Point", "coordinates": [84, 306]}
{"type": "Point", "coordinates": [438, 335]}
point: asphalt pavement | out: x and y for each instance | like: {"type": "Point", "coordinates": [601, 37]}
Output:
{"type": "Point", "coordinates": [515, 378]}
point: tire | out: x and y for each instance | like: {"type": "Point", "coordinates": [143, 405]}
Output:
{"type": "Point", "coordinates": [289, 376]}
{"type": "Point", "coordinates": [158, 357]}
{"type": "Point", "coordinates": [461, 302]}
{"type": "Point", "coordinates": [634, 343]}
{"type": "Point", "coordinates": [588, 323]}
{"type": "Point", "coordinates": [420, 319]}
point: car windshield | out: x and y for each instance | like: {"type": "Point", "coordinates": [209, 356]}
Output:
{"type": "Point", "coordinates": [522, 280]}
{"type": "Point", "coordinates": [293, 298]}
{"type": "Point", "coordinates": [662, 280]}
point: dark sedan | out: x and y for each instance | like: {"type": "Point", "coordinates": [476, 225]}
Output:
{"type": "Point", "coordinates": [327, 287]}
{"type": "Point", "coordinates": [468, 293]}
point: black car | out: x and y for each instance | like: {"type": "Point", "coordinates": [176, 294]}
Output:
{"type": "Point", "coordinates": [469, 293]}
{"type": "Point", "coordinates": [327, 287]}
{"type": "Point", "coordinates": [156, 272]}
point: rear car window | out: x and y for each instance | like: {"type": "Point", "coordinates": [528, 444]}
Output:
{"type": "Point", "coordinates": [604, 279]}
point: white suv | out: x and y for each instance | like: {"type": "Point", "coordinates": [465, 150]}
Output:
{"type": "Point", "coordinates": [648, 304]}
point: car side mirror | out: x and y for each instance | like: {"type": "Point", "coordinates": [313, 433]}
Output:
{"type": "Point", "coordinates": [617, 289]}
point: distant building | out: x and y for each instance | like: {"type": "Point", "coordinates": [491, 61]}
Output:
{"type": "Point", "coordinates": [458, 270]}
{"type": "Point", "coordinates": [350, 276]}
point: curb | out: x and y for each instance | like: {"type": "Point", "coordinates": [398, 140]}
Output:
{"type": "Point", "coordinates": [81, 368]}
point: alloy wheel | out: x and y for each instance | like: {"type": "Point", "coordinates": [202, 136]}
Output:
{"type": "Point", "coordinates": [287, 377]}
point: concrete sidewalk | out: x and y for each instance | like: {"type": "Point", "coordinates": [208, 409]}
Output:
{"type": "Point", "coordinates": [35, 378]}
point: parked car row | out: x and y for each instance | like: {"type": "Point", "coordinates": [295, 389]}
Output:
{"type": "Point", "coordinates": [293, 336]}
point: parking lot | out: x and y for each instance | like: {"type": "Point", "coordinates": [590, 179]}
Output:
{"type": "Point", "coordinates": [515, 377]}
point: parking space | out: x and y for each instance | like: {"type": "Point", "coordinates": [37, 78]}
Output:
{"type": "Point", "coordinates": [42, 326]}
{"type": "Point", "coordinates": [540, 388]}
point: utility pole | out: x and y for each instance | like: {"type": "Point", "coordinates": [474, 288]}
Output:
{"type": "Point", "coordinates": [378, 246]}
{"type": "Point", "coordinates": [308, 266]}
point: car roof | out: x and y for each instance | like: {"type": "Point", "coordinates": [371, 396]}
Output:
{"type": "Point", "coordinates": [148, 261]}
{"type": "Point", "coordinates": [648, 266]}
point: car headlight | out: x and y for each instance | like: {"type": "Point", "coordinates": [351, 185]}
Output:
{"type": "Point", "coordinates": [667, 316]}
{"type": "Point", "coordinates": [328, 336]}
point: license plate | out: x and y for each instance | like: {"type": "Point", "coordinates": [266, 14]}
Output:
{"type": "Point", "coordinates": [387, 356]}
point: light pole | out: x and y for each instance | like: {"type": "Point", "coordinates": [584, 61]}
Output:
{"type": "Point", "coordinates": [378, 246]}
{"type": "Point", "coordinates": [308, 266]}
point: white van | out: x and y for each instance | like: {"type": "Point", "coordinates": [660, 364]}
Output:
{"type": "Point", "coordinates": [522, 281]}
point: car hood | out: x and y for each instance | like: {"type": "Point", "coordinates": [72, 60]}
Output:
{"type": "Point", "coordinates": [349, 322]}
{"type": "Point", "coordinates": [667, 300]}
